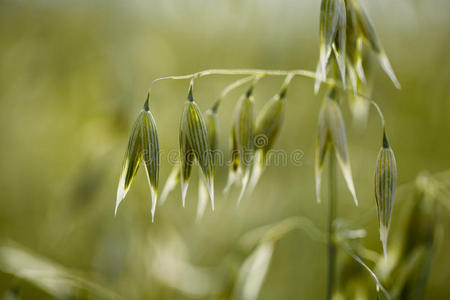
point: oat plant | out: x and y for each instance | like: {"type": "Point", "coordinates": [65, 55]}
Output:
{"type": "Point", "coordinates": [347, 40]}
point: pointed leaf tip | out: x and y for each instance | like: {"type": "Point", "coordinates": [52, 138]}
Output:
{"type": "Point", "coordinates": [245, 181]}
{"type": "Point", "coordinates": [249, 92]}
{"type": "Point", "coordinates": [386, 66]}
{"type": "Point", "coordinates": [146, 104]}
{"type": "Point", "coordinates": [190, 96]}
{"type": "Point", "coordinates": [385, 140]}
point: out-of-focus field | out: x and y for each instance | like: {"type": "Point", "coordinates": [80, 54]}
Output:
{"type": "Point", "coordinates": [73, 76]}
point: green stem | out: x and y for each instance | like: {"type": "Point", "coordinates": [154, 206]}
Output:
{"type": "Point", "coordinates": [332, 201]}
{"type": "Point", "coordinates": [377, 108]}
{"type": "Point", "coordinates": [261, 72]}
{"type": "Point", "coordinates": [358, 259]}
{"type": "Point", "coordinates": [234, 85]}
{"type": "Point", "coordinates": [228, 89]}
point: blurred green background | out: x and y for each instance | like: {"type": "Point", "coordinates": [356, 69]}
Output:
{"type": "Point", "coordinates": [73, 76]}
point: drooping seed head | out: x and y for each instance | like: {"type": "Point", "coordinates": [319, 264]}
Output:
{"type": "Point", "coordinates": [234, 170]}
{"type": "Point", "coordinates": [243, 127]}
{"type": "Point", "coordinates": [187, 158]}
{"type": "Point", "coordinates": [329, 19]}
{"type": "Point", "coordinates": [150, 153]}
{"type": "Point", "coordinates": [354, 47]}
{"type": "Point", "coordinates": [211, 128]}
{"type": "Point", "coordinates": [385, 183]}
{"type": "Point", "coordinates": [352, 31]}
{"type": "Point", "coordinates": [268, 124]}
{"type": "Point", "coordinates": [142, 145]}
{"type": "Point", "coordinates": [367, 30]}
{"type": "Point", "coordinates": [332, 38]}
{"type": "Point", "coordinates": [339, 46]}
{"type": "Point", "coordinates": [338, 135]}
{"type": "Point", "coordinates": [331, 131]}
{"type": "Point", "coordinates": [344, 24]}
{"type": "Point", "coordinates": [194, 145]}
{"type": "Point", "coordinates": [365, 25]}
{"type": "Point", "coordinates": [322, 146]}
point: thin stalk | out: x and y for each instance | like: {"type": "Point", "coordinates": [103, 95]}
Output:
{"type": "Point", "coordinates": [228, 89]}
{"type": "Point", "coordinates": [260, 72]}
{"type": "Point", "coordinates": [379, 112]}
{"type": "Point", "coordinates": [358, 259]}
{"type": "Point", "coordinates": [234, 85]}
{"type": "Point", "coordinates": [332, 201]}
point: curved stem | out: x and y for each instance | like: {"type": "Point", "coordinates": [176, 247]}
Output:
{"type": "Point", "coordinates": [279, 230]}
{"type": "Point", "coordinates": [332, 201]}
{"type": "Point", "coordinates": [379, 112]}
{"type": "Point", "coordinates": [228, 89]}
{"type": "Point", "coordinates": [285, 85]}
{"type": "Point", "coordinates": [261, 72]}
{"type": "Point", "coordinates": [362, 263]}
{"type": "Point", "coordinates": [234, 85]}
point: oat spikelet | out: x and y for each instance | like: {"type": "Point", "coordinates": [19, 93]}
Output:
{"type": "Point", "coordinates": [150, 153]}
{"type": "Point", "coordinates": [233, 173]}
{"type": "Point", "coordinates": [243, 127]}
{"type": "Point", "coordinates": [211, 128]}
{"type": "Point", "coordinates": [331, 131]}
{"type": "Point", "coordinates": [367, 30]}
{"type": "Point", "coordinates": [186, 160]}
{"type": "Point", "coordinates": [194, 146]}
{"type": "Point", "coordinates": [143, 146]}
{"type": "Point", "coordinates": [322, 146]}
{"type": "Point", "coordinates": [268, 124]}
{"type": "Point", "coordinates": [332, 39]}
{"type": "Point", "coordinates": [385, 184]}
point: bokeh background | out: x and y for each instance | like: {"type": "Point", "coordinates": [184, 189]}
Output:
{"type": "Point", "coordinates": [73, 76]}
